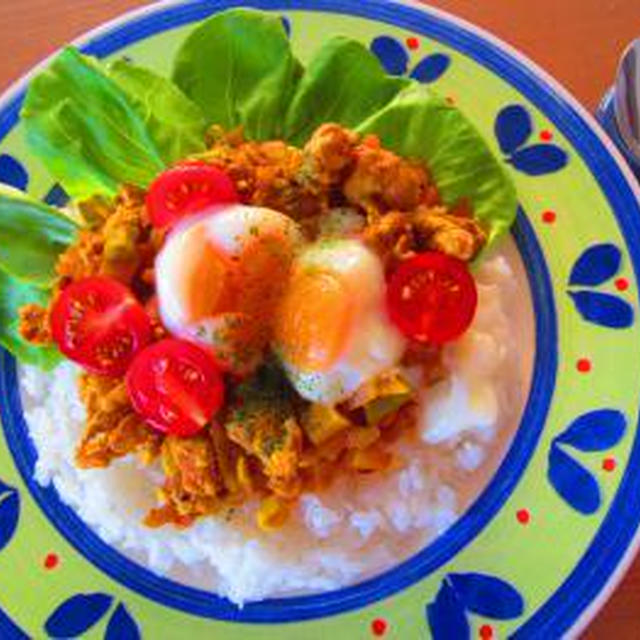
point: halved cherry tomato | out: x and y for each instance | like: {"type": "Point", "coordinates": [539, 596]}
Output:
{"type": "Point", "coordinates": [98, 323]}
{"type": "Point", "coordinates": [175, 386]}
{"type": "Point", "coordinates": [432, 297]}
{"type": "Point", "coordinates": [185, 189]}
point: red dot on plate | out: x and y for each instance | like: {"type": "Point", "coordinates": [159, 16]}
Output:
{"type": "Point", "coordinates": [548, 217]}
{"type": "Point", "coordinates": [51, 561]}
{"type": "Point", "coordinates": [622, 284]}
{"type": "Point", "coordinates": [486, 631]}
{"type": "Point", "coordinates": [546, 135]}
{"type": "Point", "coordinates": [379, 627]}
{"type": "Point", "coordinates": [450, 100]}
{"type": "Point", "coordinates": [413, 43]}
{"type": "Point", "coordinates": [523, 516]}
{"type": "Point", "coordinates": [583, 365]}
{"type": "Point", "coordinates": [609, 464]}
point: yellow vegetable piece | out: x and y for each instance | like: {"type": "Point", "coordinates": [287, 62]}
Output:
{"type": "Point", "coordinates": [272, 513]}
{"type": "Point", "coordinates": [224, 459]}
{"type": "Point", "coordinates": [381, 408]}
{"type": "Point", "coordinates": [94, 211]}
{"type": "Point", "coordinates": [322, 423]}
{"type": "Point", "coordinates": [381, 396]}
{"type": "Point", "coordinates": [362, 437]}
{"type": "Point", "coordinates": [371, 459]}
{"type": "Point", "coordinates": [146, 456]}
{"type": "Point", "coordinates": [332, 448]}
{"type": "Point", "coordinates": [244, 474]}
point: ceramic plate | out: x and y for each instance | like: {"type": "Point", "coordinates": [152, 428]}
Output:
{"type": "Point", "coordinates": [539, 550]}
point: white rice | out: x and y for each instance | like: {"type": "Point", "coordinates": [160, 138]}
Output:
{"type": "Point", "coordinates": [357, 528]}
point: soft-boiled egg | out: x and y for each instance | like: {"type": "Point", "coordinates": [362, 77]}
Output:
{"type": "Point", "coordinates": [220, 276]}
{"type": "Point", "coordinates": [331, 331]}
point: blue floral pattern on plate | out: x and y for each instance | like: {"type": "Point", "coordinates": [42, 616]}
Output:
{"type": "Point", "coordinates": [513, 128]}
{"type": "Point", "coordinates": [9, 513]}
{"type": "Point", "coordinates": [81, 612]}
{"type": "Point", "coordinates": [594, 267]}
{"type": "Point", "coordinates": [477, 593]}
{"type": "Point", "coordinates": [597, 430]}
{"type": "Point", "coordinates": [395, 59]}
{"type": "Point", "coordinates": [13, 173]}
{"type": "Point", "coordinates": [9, 630]}
{"type": "Point", "coordinates": [56, 196]}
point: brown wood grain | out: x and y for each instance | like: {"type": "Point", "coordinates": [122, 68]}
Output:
{"type": "Point", "coordinates": [577, 41]}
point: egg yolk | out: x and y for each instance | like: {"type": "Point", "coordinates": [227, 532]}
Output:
{"type": "Point", "coordinates": [314, 319]}
{"type": "Point", "coordinates": [208, 278]}
{"type": "Point", "coordinates": [250, 283]}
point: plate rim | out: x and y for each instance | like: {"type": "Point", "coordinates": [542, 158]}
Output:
{"type": "Point", "coordinates": [548, 85]}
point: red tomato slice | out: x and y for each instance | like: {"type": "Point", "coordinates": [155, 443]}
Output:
{"type": "Point", "coordinates": [98, 323]}
{"type": "Point", "coordinates": [432, 297]}
{"type": "Point", "coordinates": [185, 189]}
{"type": "Point", "coordinates": [175, 386]}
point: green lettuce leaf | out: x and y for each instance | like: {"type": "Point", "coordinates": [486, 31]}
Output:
{"type": "Point", "coordinates": [32, 235]}
{"type": "Point", "coordinates": [419, 124]}
{"type": "Point", "coordinates": [343, 83]}
{"type": "Point", "coordinates": [96, 128]}
{"type": "Point", "coordinates": [13, 295]}
{"type": "Point", "coordinates": [85, 130]}
{"type": "Point", "coordinates": [239, 68]}
{"type": "Point", "coordinates": [176, 124]}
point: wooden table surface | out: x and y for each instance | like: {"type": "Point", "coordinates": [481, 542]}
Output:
{"type": "Point", "coordinates": [577, 41]}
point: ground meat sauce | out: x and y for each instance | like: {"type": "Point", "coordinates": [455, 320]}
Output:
{"type": "Point", "coordinates": [268, 443]}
